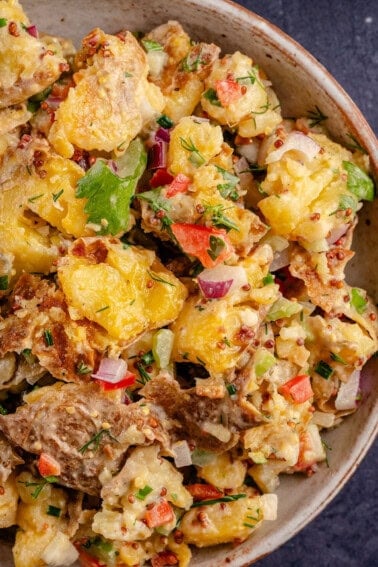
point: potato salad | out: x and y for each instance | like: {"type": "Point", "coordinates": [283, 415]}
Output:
{"type": "Point", "coordinates": [176, 329]}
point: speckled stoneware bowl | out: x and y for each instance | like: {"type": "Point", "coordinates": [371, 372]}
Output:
{"type": "Point", "coordinates": [301, 83]}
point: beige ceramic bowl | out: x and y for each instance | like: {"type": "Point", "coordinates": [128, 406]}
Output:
{"type": "Point", "coordinates": [301, 83]}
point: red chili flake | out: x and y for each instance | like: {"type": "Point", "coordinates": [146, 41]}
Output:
{"type": "Point", "coordinates": [340, 255]}
{"type": "Point", "coordinates": [372, 316]}
{"type": "Point", "coordinates": [278, 143]}
{"type": "Point", "coordinates": [13, 29]}
{"type": "Point", "coordinates": [24, 141]}
{"type": "Point", "coordinates": [63, 67]}
{"type": "Point", "coordinates": [178, 536]}
{"type": "Point", "coordinates": [243, 89]}
{"type": "Point", "coordinates": [315, 217]}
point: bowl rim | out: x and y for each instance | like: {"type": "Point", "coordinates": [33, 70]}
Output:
{"type": "Point", "coordinates": [352, 116]}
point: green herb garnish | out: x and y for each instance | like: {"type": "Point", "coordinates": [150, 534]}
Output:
{"type": "Point", "coordinates": [150, 45]}
{"type": "Point", "coordinates": [94, 442]}
{"type": "Point", "coordinates": [53, 511]}
{"type": "Point", "coordinates": [164, 121]}
{"type": "Point", "coordinates": [56, 196]}
{"type": "Point", "coordinates": [268, 279]}
{"type": "Point", "coordinates": [109, 194]}
{"type": "Point", "coordinates": [323, 369]}
{"type": "Point", "coordinates": [196, 158]}
{"type": "Point", "coordinates": [4, 282]}
{"type": "Point", "coordinates": [231, 389]}
{"type": "Point", "coordinates": [82, 368]}
{"type": "Point", "coordinates": [212, 97]}
{"type": "Point", "coordinates": [157, 278]}
{"type": "Point", "coordinates": [355, 145]}
{"type": "Point", "coordinates": [147, 358]}
{"type": "Point", "coordinates": [143, 492]}
{"type": "Point", "coordinates": [359, 183]}
{"type": "Point", "coordinates": [3, 22]}
{"type": "Point", "coordinates": [228, 498]}
{"type": "Point", "coordinates": [227, 190]}
{"type": "Point", "coordinates": [218, 218]}
{"type": "Point", "coordinates": [145, 377]}
{"type": "Point", "coordinates": [316, 116]}
{"type": "Point", "coordinates": [216, 247]}
{"type": "Point", "coordinates": [48, 338]}
{"type": "Point", "coordinates": [3, 410]}
{"type": "Point", "coordinates": [337, 358]}
{"type": "Point", "coordinates": [103, 309]}
{"type": "Point", "coordinates": [35, 198]}
{"type": "Point", "coordinates": [358, 301]}
{"type": "Point", "coordinates": [157, 203]}
{"type": "Point", "coordinates": [40, 485]}
{"type": "Point", "coordinates": [28, 356]}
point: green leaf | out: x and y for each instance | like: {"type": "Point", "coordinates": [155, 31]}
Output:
{"type": "Point", "coordinates": [268, 279]}
{"type": "Point", "coordinates": [228, 189]}
{"type": "Point", "coordinates": [283, 308]}
{"type": "Point", "coordinates": [143, 492]}
{"type": "Point", "coordinates": [228, 498]}
{"type": "Point", "coordinates": [150, 45]}
{"type": "Point", "coordinates": [212, 97]}
{"type": "Point", "coordinates": [358, 301]}
{"type": "Point", "coordinates": [4, 283]}
{"type": "Point", "coordinates": [109, 195]}
{"type": "Point", "coordinates": [324, 369]}
{"type": "Point", "coordinates": [3, 22]}
{"type": "Point", "coordinates": [358, 182]}
{"type": "Point", "coordinates": [53, 511]}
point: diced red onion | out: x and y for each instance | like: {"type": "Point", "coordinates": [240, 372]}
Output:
{"type": "Point", "coordinates": [348, 391]}
{"type": "Point", "coordinates": [158, 155]}
{"type": "Point", "coordinates": [337, 233]}
{"type": "Point", "coordinates": [217, 282]}
{"type": "Point", "coordinates": [182, 454]}
{"type": "Point", "coordinates": [299, 142]}
{"type": "Point", "coordinates": [281, 259]}
{"type": "Point", "coordinates": [163, 134]}
{"type": "Point", "coordinates": [249, 151]}
{"type": "Point", "coordinates": [111, 370]}
{"type": "Point", "coordinates": [113, 166]}
{"type": "Point", "coordinates": [32, 30]}
{"type": "Point", "coordinates": [199, 119]}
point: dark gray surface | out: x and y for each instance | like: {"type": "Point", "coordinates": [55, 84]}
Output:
{"type": "Point", "coordinates": [342, 35]}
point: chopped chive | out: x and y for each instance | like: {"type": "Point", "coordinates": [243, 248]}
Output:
{"type": "Point", "coordinates": [357, 301]}
{"type": "Point", "coordinates": [3, 410]}
{"type": "Point", "coordinates": [164, 121]}
{"type": "Point", "coordinates": [147, 358]}
{"type": "Point", "coordinates": [102, 309]}
{"type": "Point", "coordinates": [53, 511]}
{"type": "Point", "coordinates": [157, 278]}
{"type": "Point", "coordinates": [268, 279]}
{"type": "Point", "coordinates": [150, 45]}
{"type": "Point", "coordinates": [323, 369]}
{"type": "Point", "coordinates": [145, 377]}
{"type": "Point", "coordinates": [3, 22]}
{"type": "Point", "coordinates": [316, 116]}
{"type": "Point", "coordinates": [56, 196]}
{"type": "Point", "coordinates": [34, 199]}
{"type": "Point", "coordinates": [95, 441]}
{"type": "Point", "coordinates": [48, 338]}
{"type": "Point", "coordinates": [127, 75]}
{"type": "Point", "coordinates": [212, 97]}
{"type": "Point", "coordinates": [231, 389]}
{"type": "Point", "coordinates": [143, 492]}
{"type": "Point", "coordinates": [337, 358]}
{"type": "Point", "coordinates": [39, 485]}
{"type": "Point", "coordinates": [4, 283]}
{"type": "Point", "coordinates": [228, 498]}
{"type": "Point", "coordinates": [82, 368]}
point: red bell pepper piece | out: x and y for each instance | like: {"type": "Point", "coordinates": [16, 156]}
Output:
{"type": "Point", "coordinates": [228, 91]}
{"type": "Point", "coordinates": [204, 492]}
{"type": "Point", "coordinates": [161, 513]}
{"type": "Point", "coordinates": [179, 184]}
{"type": "Point", "coordinates": [298, 389]}
{"type": "Point", "coordinates": [161, 177]}
{"type": "Point", "coordinates": [48, 466]}
{"type": "Point", "coordinates": [128, 380]}
{"type": "Point", "coordinates": [210, 245]}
